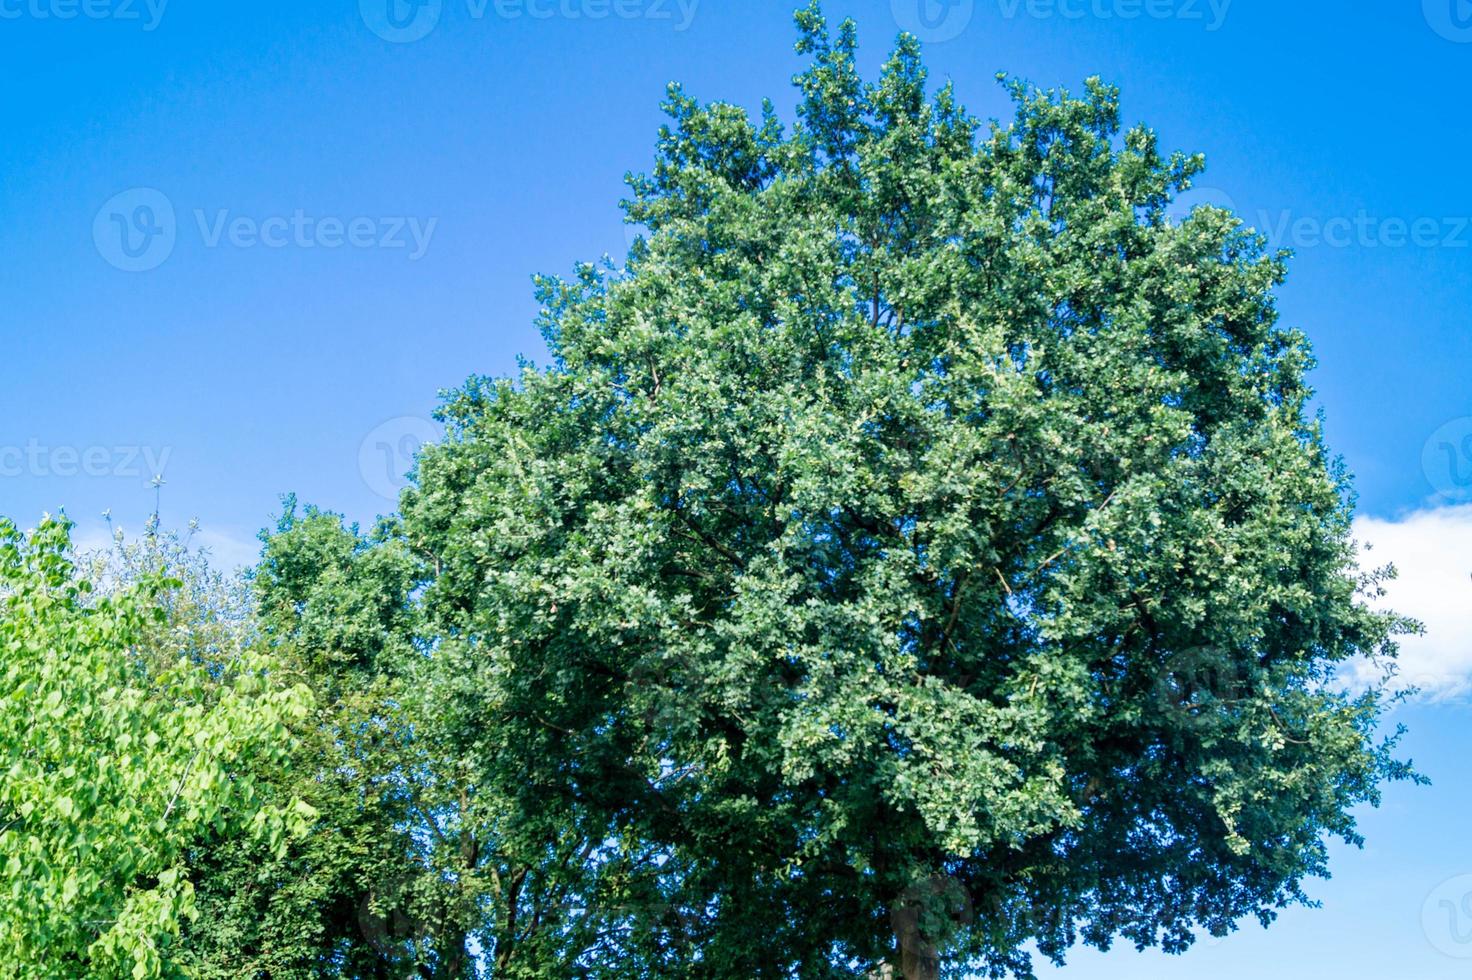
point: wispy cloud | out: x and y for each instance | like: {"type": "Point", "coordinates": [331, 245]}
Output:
{"type": "Point", "coordinates": [1432, 551]}
{"type": "Point", "coordinates": [228, 550]}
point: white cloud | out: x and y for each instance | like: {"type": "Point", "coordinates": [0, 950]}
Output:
{"type": "Point", "coordinates": [89, 538]}
{"type": "Point", "coordinates": [1432, 551]}
{"type": "Point", "coordinates": [228, 550]}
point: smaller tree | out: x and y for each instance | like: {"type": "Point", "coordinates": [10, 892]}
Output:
{"type": "Point", "coordinates": [120, 743]}
{"type": "Point", "coordinates": [448, 852]}
{"type": "Point", "coordinates": [351, 900]}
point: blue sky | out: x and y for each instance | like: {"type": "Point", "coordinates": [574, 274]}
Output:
{"type": "Point", "coordinates": [332, 214]}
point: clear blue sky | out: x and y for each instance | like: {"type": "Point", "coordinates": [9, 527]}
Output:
{"type": "Point", "coordinates": [253, 358]}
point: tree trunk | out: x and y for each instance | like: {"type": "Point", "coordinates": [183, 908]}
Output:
{"type": "Point", "coordinates": [924, 918]}
{"type": "Point", "coordinates": [920, 964]}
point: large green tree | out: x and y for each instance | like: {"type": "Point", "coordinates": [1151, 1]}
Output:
{"type": "Point", "coordinates": [919, 551]}
{"type": "Point", "coordinates": [932, 528]}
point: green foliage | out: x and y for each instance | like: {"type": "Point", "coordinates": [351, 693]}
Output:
{"type": "Point", "coordinates": [118, 748]}
{"type": "Point", "coordinates": [346, 901]}
{"type": "Point", "coordinates": [918, 553]}
{"type": "Point", "coordinates": [919, 505]}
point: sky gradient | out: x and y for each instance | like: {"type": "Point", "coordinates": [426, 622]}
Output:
{"type": "Point", "coordinates": [245, 245]}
